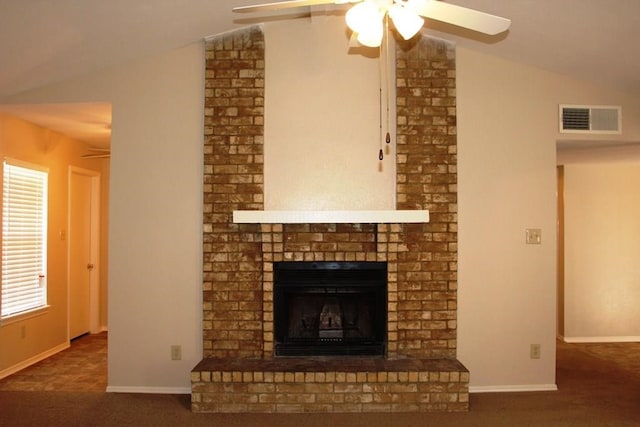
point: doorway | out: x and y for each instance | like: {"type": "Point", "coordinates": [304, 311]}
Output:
{"type": "Point", "coordinates": [84, 252]}
{"type": "Point", "coordinates": [598, 251]}
{"type": "Point", "coordinates": [560, 259]}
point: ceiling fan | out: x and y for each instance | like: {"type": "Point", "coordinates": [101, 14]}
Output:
{"type": "Point", "coordinates": [97, 153]}
{"type": "Point", "coordinates": [367, 18]}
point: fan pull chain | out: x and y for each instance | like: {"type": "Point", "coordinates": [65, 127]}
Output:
{"type": "Point", "coordinates": [388, 77]}
{"type": "Point", "coordinates": [383, 60]}
{"type": "Point", "coordinates": [380, 153]}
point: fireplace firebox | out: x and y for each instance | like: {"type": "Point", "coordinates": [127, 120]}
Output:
{"type": "Point", "coordinates": [330, 308]}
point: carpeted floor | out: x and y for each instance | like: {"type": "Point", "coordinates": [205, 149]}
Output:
{"type": "Point", "coordinates": [599, 385]}
{"type": "Point", "coordinates": [82, 367]}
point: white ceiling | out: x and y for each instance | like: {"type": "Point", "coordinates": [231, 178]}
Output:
{"type": "Point", "coordinates": [44, 42]}
{"type": "Point", "coordinates": [87, 122]}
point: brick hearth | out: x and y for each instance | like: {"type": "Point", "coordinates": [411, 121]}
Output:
{"type": "Point", "coordinates": [239, 372]}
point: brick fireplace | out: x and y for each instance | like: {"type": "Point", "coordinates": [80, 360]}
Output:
{"type": "Point", "coordinates": [240, 371]}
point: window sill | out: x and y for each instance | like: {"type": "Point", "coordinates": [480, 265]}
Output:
{"type": "Point", "coordinates": [19, 317]}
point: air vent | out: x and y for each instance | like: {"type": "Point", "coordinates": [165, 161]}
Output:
{"type": "Point", "coordinates": [595, 119]}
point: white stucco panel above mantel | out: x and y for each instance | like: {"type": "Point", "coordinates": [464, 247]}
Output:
{"type": "Point", "coordinates": [330, 217]}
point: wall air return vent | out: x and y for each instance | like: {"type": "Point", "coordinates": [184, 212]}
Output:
{"type": "Point", "coordinates": [594, 119]}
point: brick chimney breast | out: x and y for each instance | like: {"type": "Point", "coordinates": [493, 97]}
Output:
{"type": "Point", "coordinates": [239, 372]}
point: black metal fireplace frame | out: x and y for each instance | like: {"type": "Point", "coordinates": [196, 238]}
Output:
{"type": "Point", "coordinates": [362, 279]}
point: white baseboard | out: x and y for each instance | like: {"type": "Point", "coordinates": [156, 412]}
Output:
{"type": "Point", "coordinates": [149, 390]}
{"type": "Point", "coordinates": [32, 360]}
{"type": "Point", "coordinates": [513, 388]}
{"type": "Point", "coordinates": [576, 340]}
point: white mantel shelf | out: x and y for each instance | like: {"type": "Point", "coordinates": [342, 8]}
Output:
{"type": "Point", "coordinates": [331, 217]}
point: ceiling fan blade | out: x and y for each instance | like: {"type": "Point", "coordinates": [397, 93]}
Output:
{"type": "Point", "coordinates": [461, 16]}
{"type": "Point", "coordinates": [96, 156]}
{"type": "Point", "coordinates": [283, 5]}
{"type": "Point", "coordinates": [97, 153]}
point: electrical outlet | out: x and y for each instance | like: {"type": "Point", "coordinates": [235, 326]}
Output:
{"type": "Point", "coordinates": [535, 351]}
{"type": "Point", "coordinates": [176, 352]}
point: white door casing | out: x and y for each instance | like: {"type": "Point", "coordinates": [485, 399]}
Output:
{"type": "Point", "coordinates": [83, 251]}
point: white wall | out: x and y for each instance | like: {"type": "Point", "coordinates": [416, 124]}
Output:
{"type": "Point", "coordinates": [155, 241]}
{"type": "Point", "coordinates": [602, 273]}
{"type": "Point", "coordinates": [322, 120]}
{"type": "Point", "coordinates": [506, 172]}
{"type": "Point", "coordinates": [508, 128]}
{"type": "Point", "coordinates": [507, 131]}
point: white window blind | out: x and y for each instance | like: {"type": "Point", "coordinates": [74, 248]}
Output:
{"type": "Point", "coordinates": [24, 238]}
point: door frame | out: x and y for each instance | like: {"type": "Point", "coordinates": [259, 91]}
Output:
{"type": "Point", "coordinates": [560, 254]}
{"type": "Point", "coordinates": [94, 278]}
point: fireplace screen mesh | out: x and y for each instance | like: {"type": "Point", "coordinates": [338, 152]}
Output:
{"type": "Point", "coordinates": [330, 308]}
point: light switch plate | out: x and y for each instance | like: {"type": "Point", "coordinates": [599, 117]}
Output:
{"type": "Point", "coordinates": [533, 236]}
{"type": "Point", "coordinates": [535, 351]}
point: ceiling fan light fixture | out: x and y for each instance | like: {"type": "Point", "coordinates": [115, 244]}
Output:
{"type": "Point", "coordinates": [364, 17]}
{"type": "Point", "coordinates": [372, 35]}
{"type": "Point", "coordinates": [406, 21]}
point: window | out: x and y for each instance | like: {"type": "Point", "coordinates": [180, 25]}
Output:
{"type": "Point", "coordinates": [24, 238]}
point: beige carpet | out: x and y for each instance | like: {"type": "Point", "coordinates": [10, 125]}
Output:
{"type": "Point", "coordinates": [599, 385]}
{"type": "Point", "coordinates": [82, 367]}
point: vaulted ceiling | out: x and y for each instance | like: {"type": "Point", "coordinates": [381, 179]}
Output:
{"type": "Point", "coordinates": [43, 42]}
